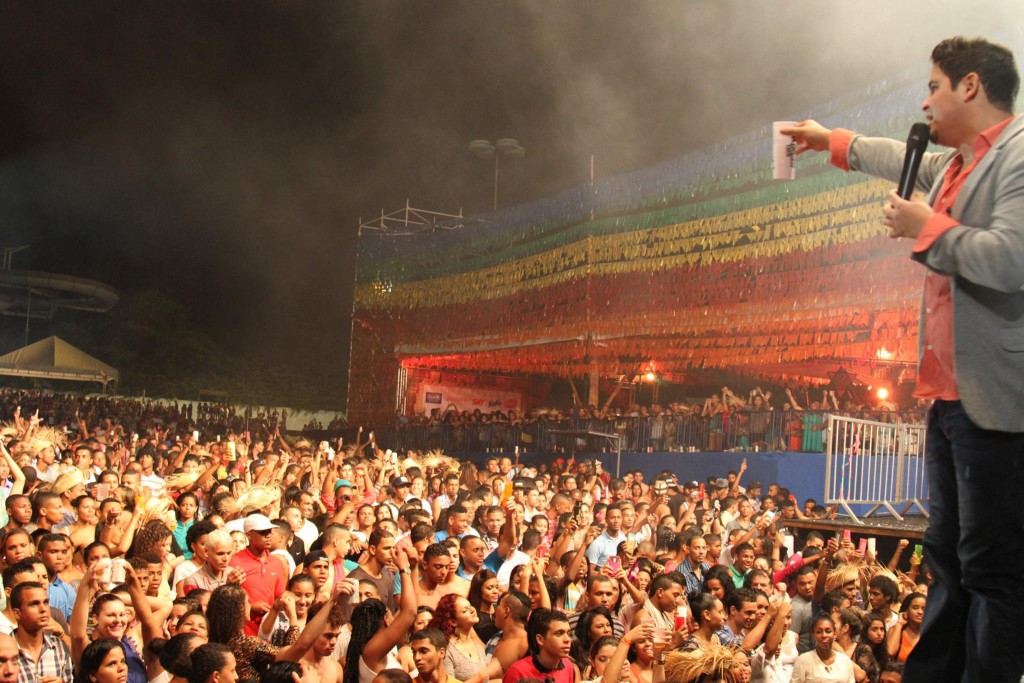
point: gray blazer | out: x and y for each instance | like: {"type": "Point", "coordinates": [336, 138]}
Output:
{"type": "Point", "coordinates": [984, 257]}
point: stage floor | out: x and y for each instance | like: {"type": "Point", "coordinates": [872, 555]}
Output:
{"type": "Point", "coordinates": [912, 526]}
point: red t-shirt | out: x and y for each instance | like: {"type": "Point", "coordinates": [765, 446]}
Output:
{"type": "Point", "coordinates": [266, 578]}
{"type": "Point", "coordinates": [529, 667]}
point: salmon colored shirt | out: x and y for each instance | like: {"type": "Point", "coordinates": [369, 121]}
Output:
{"type": "Point", "coordinates": [936, 370]}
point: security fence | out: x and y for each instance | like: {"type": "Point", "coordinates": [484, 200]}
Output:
{"type": "Point", "coordinates": [873, 466]}
{"type": "Point", "coordinates": [774, 430]}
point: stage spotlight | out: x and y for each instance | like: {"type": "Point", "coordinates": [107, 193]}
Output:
{"type": "Point", "coordinates": [882, 394]}
{"type": "Point", "coordinates": [650, 377]}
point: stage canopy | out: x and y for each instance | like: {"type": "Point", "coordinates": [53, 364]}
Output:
{"type": "Point", "coordinates": [701, 263]}
{"type": "Point", "coordinates": [54, 358]}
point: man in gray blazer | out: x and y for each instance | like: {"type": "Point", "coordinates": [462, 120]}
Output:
{"type": "Point", "coordinates": [969, 235]}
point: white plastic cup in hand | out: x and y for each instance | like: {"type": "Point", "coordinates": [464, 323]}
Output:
{"type": "Point", "coordinates": [647, 623]}
{"type": "Point", "coordinates": [354, 598]}
{"type": "Point", "coordinates": [105, 568]}
{"type": "Point", "coordinates": [117, 570]}
{"type": "Point", "coordinates": [783, 152]}
{"type": "Point", "coordinates": [661, 635]}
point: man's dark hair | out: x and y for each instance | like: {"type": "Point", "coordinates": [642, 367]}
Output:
{"type": "Point", "coordinates": [435, 550]}
{"type": "Point", "coordinates": [420, 532]}
{"type": "Point", "coordinates": [50, 539]}
{"type": "Point", "coordinates": [414, 515]}
{"type": "Point", "coordinates": [41, 500]}
{"type": "Point", "coordinates": [886, 586]}
{"type": "Point", "coordinates": [959, 56]}
{"type": "Point", "coordinates": [11, 500]}
{"type": "Point", "coordinates": [25, 566]}
{"type": "Point", "coordinates": [464, 541]}
{"type": "Point", "coordinates": [286, 529]}
{"type": "Point", "coordinates": [813, 536]}
{"type": "Point", "coordinates": [378, 535]}
{"type": "Point", "coordinates": [20, 589]}
{"type": "Point", "coordinates": [531, 540]}
{"type": "Point", "coordinates": [833, 600]}
{"type": "Point", "coordinates": [559, 498]}
{"type": "Point", "coordinates": [518, 605]}
{"type": "Point", "coordinates": [893, 666]}
{"type": "Point", "coordinates": [394, 676]}
{"type": "Point", "coordinates": [665, 581]}
{"type": "Point", "coordinates": [735, 600]}
{"type": "Point", "coordinates": [742, 547]}
{"type": "Point", "coordinates": [806, 569]}
{"type": "Point", "coordinates": [540, 622]}
{"type": "Point", "coordinates": [280, 672]}
{"type": "Point", "coordinates": [139, 563]}
{"type": "Point", "coordinates": [434, 635]}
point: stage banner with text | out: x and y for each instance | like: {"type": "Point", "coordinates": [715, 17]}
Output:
{"type": "Point", "coordinates": [432, 396]}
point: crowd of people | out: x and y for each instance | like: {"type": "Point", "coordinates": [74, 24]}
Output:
{"type": "Point", "coordinates": [168, 556]}
{"type": "Point", "coordinates": [757, 420]}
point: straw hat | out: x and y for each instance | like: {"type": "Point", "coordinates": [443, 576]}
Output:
{"type": "Point", "coordinates": [68, 480]}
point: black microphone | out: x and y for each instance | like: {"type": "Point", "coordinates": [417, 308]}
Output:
{"type": "Point", "coordinates": [917, 143]}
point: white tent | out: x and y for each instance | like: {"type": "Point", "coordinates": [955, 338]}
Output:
{"type": "Point", "coordinates": [54, 358]}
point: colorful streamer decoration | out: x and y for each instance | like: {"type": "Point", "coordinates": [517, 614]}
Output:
{"type": "Point", "coordinates": [700, 263]}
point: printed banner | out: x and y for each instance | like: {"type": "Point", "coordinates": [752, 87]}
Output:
{"type": "Point", "coordinates": [432, 396]}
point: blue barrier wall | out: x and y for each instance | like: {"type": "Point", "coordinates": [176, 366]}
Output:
{"type": "Point", "coordinates": [802, 473]}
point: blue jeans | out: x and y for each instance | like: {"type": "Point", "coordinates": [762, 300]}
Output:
{"type": "Point", "coordinates": [974, 546]}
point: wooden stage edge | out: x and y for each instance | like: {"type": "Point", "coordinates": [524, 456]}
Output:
{"type": "Point", "coordinates": [912, 526]}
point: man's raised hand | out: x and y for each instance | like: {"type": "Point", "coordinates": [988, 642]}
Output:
{"type": "Point", "coordinates": [809, 135]}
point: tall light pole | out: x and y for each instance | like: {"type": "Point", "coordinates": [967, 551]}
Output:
{"type": "Point", "coordinates": [505, 147]}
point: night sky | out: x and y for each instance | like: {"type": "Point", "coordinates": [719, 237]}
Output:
{"type": "Point", "coordinates": [226, 151]}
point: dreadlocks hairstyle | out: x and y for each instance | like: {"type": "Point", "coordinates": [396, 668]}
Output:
{"type": "Point", "coordinates": [367, 619]}
{"type": "Point", "coordinates": [226, 613]}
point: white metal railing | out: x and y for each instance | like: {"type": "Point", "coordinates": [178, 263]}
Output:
{"type": "Point", "coordinates": [877, 464]}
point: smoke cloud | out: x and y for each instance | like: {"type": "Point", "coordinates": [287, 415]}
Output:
{"type": "Point", "coordinates": [226, 151]}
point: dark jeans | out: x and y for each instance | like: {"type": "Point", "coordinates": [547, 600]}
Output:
{"type": "Point", "coordinates": [975, 548]}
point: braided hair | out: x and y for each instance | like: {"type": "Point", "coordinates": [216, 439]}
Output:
{"type": "Point", "coordinates": [367, 619]}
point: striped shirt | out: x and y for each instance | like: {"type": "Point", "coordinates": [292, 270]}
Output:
{"type": "Point", "coordinates": [54, 661]}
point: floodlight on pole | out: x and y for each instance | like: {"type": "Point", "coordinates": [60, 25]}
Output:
{"type": "Point", "coordinates": [505, 147]}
